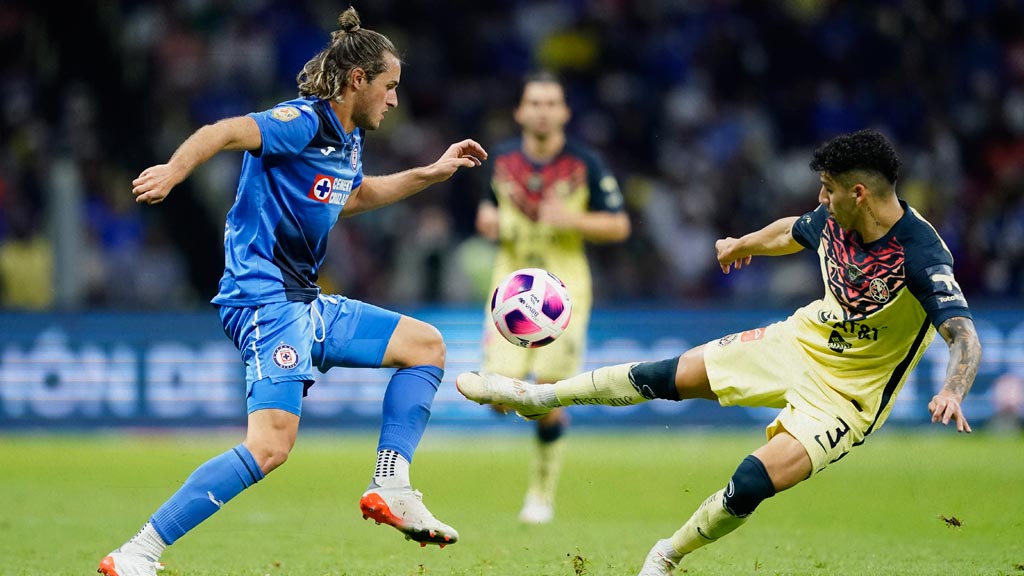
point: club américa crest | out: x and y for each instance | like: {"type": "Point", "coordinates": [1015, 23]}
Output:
{"type": "Point", "coordinates": [878, 291]}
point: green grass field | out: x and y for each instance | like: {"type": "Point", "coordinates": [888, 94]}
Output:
{"type": "Point", "coordinates": [67, 500]}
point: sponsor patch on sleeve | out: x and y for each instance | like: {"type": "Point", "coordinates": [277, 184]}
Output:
{"type": "Point", "coordinates": [944, 286]}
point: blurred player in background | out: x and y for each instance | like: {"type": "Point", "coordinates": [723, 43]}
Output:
{"type": "Point", "coordinates": [548, 196]}
{"type": "Point", "coordinates": [301, 171]}
{"type": "Point", "coordinates": [834, 367]}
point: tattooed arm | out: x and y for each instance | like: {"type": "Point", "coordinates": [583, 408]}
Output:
{"type": "Point", "coordinates": [964, 358]}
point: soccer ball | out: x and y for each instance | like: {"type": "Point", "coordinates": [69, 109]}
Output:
{"type": "Point", "coordinates": [531, 307]}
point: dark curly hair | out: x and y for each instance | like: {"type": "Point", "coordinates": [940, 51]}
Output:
{"type": "Point", "coordinates": [865, 150]}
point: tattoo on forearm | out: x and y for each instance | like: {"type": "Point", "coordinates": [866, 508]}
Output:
{"type": "Point", "coordinates": [964, 354]}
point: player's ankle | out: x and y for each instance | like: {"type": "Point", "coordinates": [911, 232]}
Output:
{"type": "Point", "coordinates": [545, 395]}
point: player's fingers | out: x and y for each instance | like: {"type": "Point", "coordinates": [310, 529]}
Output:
{"type": "Point", "coordinates": [148, 198]}
{"type": "Point", "coordinates": [473, 147]}
{"type": "Point", "coordinates": [949, 413]}
{"type": "Point", "coordinates": [938, 408]}
{"type": "Point", "coordinates": [955, 412]}
{"type": "Point", "coordinates": [962, 425]}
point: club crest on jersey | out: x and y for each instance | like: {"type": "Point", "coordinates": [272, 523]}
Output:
{"type": "Point", "coordinates": [285, 113]}
{"type": "Point", "coordinates": [535, 182]}
{"type": "Point", "coordinates": [353, 159]}
{"type": "Point", "coordinates": [878, 291]}
{"type": "Point", "coordinates": [331, 190]}
{"type": "Point", "coordinates": [286, 357]}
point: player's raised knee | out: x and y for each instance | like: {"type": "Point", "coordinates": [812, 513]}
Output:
{"type": "Point", "coordinates": [416, 343]}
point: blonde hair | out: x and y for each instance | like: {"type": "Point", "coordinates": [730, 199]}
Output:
{"type": "Point", "coordinates": [351, 47]}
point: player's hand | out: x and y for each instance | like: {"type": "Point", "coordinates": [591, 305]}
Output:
{"type": "Point", "coordinates": [726, 250]}
{"type": "Point", "coordinates": [552, 211]}
{"type": "Point", "coordinates": [465, 154]}
{"type": "Point", "coordinates": [945, 406]}
{"type": "Point", "coordinates": [154, 184]}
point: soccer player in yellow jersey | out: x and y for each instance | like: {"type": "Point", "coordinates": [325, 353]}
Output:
{"type": "Point", "coordinates": [549, 195]}
{"type": "Point", "coordinates": [833, 367]}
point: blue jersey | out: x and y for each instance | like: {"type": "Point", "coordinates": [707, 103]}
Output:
{"type": "Point", "coordinates": [290, 193]}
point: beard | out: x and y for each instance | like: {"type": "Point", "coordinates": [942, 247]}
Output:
{"type": "Point", "coordinates": [363, 120]}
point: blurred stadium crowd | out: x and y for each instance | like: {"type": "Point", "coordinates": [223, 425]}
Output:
{"type": "Point", "coordinates": [706, 110]}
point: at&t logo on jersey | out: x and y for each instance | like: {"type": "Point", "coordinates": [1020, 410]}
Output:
{"type": "Point", "coordinates": [331, 190]}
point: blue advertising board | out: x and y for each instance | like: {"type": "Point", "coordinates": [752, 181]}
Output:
{"type": "Point", "coordinates": [92, 370]}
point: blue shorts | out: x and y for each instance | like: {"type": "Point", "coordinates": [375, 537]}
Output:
{"type": "Point", "coordinates": [282, 342]}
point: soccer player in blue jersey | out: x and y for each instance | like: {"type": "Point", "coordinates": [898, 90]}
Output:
{"type": "Point", "coordinates": [833, 367]}
{"type": "Point", "coordinates": [302, 170]}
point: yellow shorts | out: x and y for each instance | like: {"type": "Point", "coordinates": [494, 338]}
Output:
{"type": "Point", "coordinates": [764, 367]}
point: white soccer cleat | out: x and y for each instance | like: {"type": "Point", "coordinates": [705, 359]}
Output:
{"type": "Point", "coordinates": [119, 563]}
{"type": "Point", "coordinates": [501, 391]}
{"type": "Point", "coordinates": [403, 508]}
{"type": "Point", "coordinates": [657, 562]}
{"type": "Point", "coordinates": [536, 510]}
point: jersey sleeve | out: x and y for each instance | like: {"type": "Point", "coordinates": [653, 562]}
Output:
{"type": "Point", "coordinates": [286, 129]}
{"type": "Point", "coordinates": [605, 195]}
{"type": "Point", "coordinates": [808, 228]}
{"type": "Point", "coordinates": [930, 278]}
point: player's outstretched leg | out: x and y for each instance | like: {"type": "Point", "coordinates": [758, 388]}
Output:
{"type": "Point", "coordinates": [531, 401]}
{"type": "Point", "coordinates": [619, 385]}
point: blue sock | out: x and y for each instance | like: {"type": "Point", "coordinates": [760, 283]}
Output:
{"type": "Point", "coordinates": [208, 488]}
{"type": "Point", "coordinates": [407, 408]}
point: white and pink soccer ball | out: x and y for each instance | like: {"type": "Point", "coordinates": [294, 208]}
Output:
{"type": "Point", "coordinates": [531, 307]}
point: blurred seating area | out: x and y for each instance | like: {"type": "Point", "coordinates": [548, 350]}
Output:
{"type": "Point", "coordinates": [706, 110]}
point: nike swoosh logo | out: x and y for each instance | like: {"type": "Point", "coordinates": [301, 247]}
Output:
{"type": "Point", "coordinates": [214, 499]}
{"type": "Point", "coordinates": [703, 535]}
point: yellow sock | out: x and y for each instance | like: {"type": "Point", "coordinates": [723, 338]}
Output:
{"type": "Point", "coordinates": [545, 467]}
{"type": "Point", "coordinates": [609, 386]}
{"type": "Point", "coordinates": [709, 523]}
